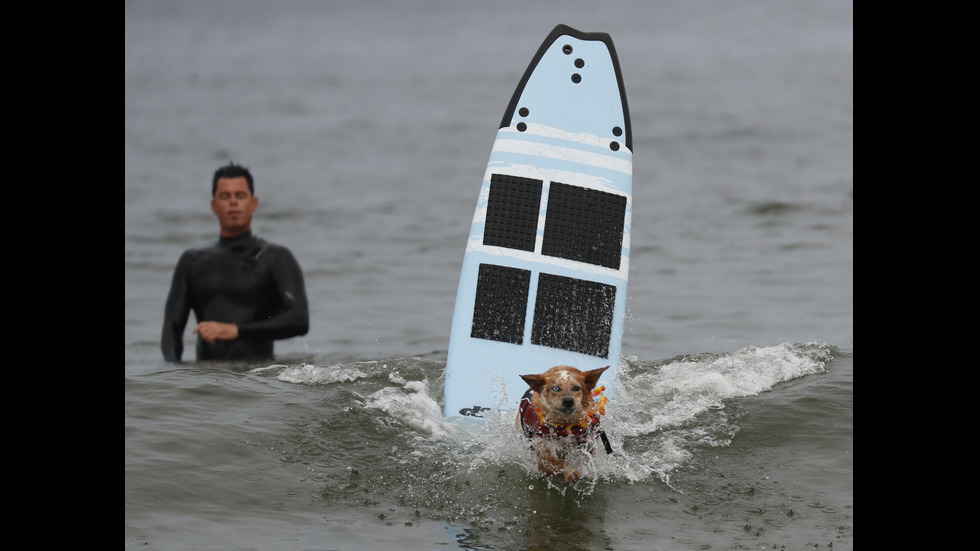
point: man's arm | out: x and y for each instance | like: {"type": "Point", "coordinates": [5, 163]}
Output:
{"type": "Point", "coordinates": [176, 312]}
{"type": "Point", "coordinates": [293, 318]}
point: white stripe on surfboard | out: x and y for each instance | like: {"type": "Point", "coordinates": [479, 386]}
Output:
{"type": "Point", "coordinates": [475, 244]}
{"type": "Point", "coordinates": [585, 138]}
{"type": "Point", "coordinates": [568, 154]}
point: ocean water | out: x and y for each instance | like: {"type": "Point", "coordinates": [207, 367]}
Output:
{"type": "Point", "coordinates": [368, 126]}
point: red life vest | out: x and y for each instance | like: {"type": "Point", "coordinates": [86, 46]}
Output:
{"type": "Point", "coordinates": [533, 424]}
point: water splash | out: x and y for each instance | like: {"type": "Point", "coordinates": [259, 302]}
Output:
{"type": "Point", "coordinates": [313, 375]}
{"type": "Point", "coordinates": [664, 411]}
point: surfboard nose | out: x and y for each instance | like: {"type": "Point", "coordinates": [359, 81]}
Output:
{"type": "Point", "coordinates": [561, 85]}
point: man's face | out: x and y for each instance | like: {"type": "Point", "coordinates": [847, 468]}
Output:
{"type": "Point", "coordinates": [234, 205]}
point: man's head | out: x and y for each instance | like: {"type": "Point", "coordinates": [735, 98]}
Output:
{"type": "Point", "coordinates": [233, 200]}
{"type": "Point", "coordinates": [231, 170]}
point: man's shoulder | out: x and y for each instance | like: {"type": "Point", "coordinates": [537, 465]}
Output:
{"type": "Point", "coordinates": [265, 245]}
{"type": "Point", "coordinates": [274, 250]}
{"type": "Point", "coordinates": [269, 252]}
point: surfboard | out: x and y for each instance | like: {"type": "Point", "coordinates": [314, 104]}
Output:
{"type": "Point", "coordinates": [544, 275]}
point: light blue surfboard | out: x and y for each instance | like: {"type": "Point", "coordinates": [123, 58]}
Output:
{"type": "Point", "coordinates": [543, 281]}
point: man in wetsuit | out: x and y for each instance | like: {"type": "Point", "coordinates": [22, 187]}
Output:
{"type": "Point", "coordinates": [245, 292]}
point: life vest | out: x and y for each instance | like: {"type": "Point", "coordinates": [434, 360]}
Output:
{"type": "Point", "coordinates": [533, 423]}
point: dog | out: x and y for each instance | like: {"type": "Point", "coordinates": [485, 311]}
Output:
{"type": "Point", "coordinates": [559, 415]}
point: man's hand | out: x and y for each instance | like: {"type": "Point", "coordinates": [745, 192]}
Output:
{"type": "Point", "coordinates": [216, 331]}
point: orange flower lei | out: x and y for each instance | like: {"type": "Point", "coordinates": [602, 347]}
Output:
{"type": "Point", "coordinates": [598, 407]}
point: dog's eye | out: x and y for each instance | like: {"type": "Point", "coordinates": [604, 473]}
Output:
{"type": "Point", "coordinates": [555, 388]}
{"type": "Point", "coordinates": [576, 388]}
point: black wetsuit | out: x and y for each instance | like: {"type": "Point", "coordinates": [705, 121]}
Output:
{"type": "Point", "coordinates": [242, 280]}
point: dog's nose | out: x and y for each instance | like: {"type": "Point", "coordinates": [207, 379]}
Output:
{"type": "Point", "coordinates": [568, 402]}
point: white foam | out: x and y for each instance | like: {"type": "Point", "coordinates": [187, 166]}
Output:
{"type": "Point", "coordinates": [314, 375]}
{"type": "Point", "coordinates": [410, 402]}
{"type": "Point", "coordinates": [660, 409]}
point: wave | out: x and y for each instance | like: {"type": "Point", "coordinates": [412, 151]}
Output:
{"type": "Point", "coordinates": [663, 411]}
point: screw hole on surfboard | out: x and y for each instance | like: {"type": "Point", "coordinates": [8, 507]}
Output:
{"type": "Point", "coordinates": [614, 146]}
{"type": "Point", "coordinates": [567, 48]}
{"type": "Point", "coordinates": [521, 127]}
{"type": "Point", "coordinates": [617, 131]}
{"type": "Point", "coordinates": [580, 63]}
{"type": "Point", "coordinates": [524, 112]}
{"type": "Point", "coordinates": [576, 78]}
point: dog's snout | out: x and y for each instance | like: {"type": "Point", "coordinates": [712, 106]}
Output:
{"type": "Point", "coordinates": [568, 402]}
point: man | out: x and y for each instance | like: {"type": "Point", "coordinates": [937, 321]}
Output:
{"type": "Point", "coordinates": [245, 292]}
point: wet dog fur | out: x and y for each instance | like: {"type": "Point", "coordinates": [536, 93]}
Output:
{"type": "Point", "coordinates": [564, 396]}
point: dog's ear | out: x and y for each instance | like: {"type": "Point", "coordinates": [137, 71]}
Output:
{"type": "Point", "coordinates": [536, 382]}
{"type": "Point", "coordinates": [592, 377]}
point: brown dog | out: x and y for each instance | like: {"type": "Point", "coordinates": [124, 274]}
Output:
{"type": "Point", "coordinates": [559, 415]}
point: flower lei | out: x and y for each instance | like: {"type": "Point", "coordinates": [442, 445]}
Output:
{"type": "Point", "coordinates": [599, 401]}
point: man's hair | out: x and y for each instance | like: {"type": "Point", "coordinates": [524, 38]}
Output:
{"type": "Point", "coordinates": [231, 170]}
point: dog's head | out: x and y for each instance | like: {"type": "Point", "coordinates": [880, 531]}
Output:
{"type": "Point", "coordinates": [564, 393]}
